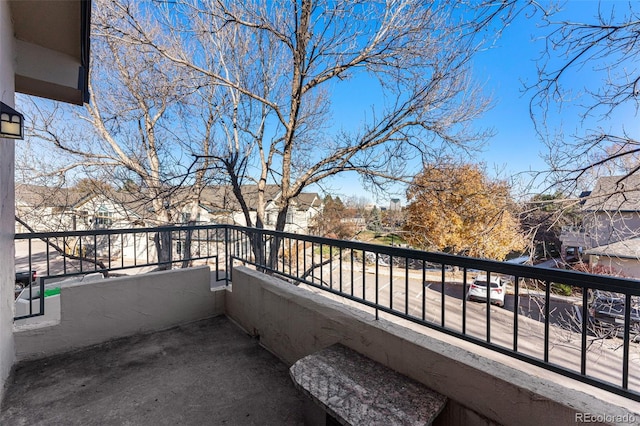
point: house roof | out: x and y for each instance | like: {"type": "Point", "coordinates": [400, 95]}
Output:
{"type": "Point", "coordinates": [63, 198]}
{"type": "Point", "coordinates": [221, 198]}
{"type": "Point", "coordinates": [46, 196]}
{"type": "Point", "coordinates": [307, 200]}
{"type": "Point", "coordinates": [133, 204]}
{"type": "Point", "coordinates": [52, 48]}
{"type": "Point", "coordinates": [213, 198]}
{"type": "Point", "coordinates": [614, 193]}
{"type": "Point", "coordinates": [627, 249]}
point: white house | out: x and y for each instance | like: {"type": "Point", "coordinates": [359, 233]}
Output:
{"type": "Point", "coordinates": [301, 212]}
{"type": "Point", "coordinates": [217, 204]}
{"type": "Point", "coordinates": [65, 209]}
{"type": "Point", "coordinates": [48, 209]}
{"type": "Point", "coordinates": [44, 208]}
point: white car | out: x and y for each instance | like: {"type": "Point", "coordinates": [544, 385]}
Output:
{"type": "Point", "coordinates": [478, 290]}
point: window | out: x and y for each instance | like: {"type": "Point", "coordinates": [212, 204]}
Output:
{"type": "Point", "coordinates": [186, 217]}
{"type": "Point", "coordinates": [103, 218]}
{"type": "Point", "coordinates": [290, 216]}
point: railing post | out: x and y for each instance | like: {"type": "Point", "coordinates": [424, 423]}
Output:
{"type": "Point", "coordinates": [170, 239]}
{"type": "Point", "coordinates": [227, 260]}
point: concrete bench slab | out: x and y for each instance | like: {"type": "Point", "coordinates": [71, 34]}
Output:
{"type": "Point", "coordinates": [356, 390]}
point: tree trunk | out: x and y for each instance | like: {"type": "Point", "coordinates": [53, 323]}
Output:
{"type": "Point", "coordinates": [162, 240]}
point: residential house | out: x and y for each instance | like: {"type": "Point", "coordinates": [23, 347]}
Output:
{"type": "Point", "coordinates": [45, 208]}
{"type": "Point", "coordinates": [301, 212]}
{"type": "Point", "coordinates": [218, 204]}
{"type": "Point", "coordinates": [610, 225]}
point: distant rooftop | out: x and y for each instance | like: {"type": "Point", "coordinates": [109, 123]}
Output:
{"type": "Point", "coordinates": [614, 193]}
{"type": "Point", "coordinates": [627, 249]}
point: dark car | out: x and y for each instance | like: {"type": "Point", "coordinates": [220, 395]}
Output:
{"type": "Point", "coordinates": [606, 314]}
{"type": "Point", "coordinates": [24, 279]}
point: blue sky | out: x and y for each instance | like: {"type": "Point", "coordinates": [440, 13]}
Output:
{"type": "Point", "coordinates": [507, 68]}
{"type": "Point", "coordinates": [504, 69]}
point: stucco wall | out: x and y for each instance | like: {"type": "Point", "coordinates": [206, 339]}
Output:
{"type": "Point", "coordinates": [610, 227]}
{"type": "Point", "coordinates": [483, 386]}
{"type": "Point", "coordinates": [96, 312]}
{"type": "Point", "coordinates": [6, 201]}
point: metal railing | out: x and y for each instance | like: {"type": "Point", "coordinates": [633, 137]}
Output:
{"type": "Point", "coordinates": [430, 289]}
{"type": "Point", "coordinates": [56, 256]}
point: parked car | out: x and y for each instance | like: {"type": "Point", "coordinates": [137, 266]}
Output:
{"type": "Point", "coordinates": [606, 314]}
{"type": "Point", "coordinates": [478, 290]}
{"type": "Point", "coordinates": [23, 279]}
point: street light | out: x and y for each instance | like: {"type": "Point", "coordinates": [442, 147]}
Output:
{"type": "Point", "coordinates": [11, 122]}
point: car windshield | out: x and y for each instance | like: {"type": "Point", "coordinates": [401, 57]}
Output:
{"type": "Point", "coordinates": [484, 283]}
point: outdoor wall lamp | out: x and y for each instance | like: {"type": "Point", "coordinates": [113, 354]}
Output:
{"type": "Point", "coordinates": [11, 122]}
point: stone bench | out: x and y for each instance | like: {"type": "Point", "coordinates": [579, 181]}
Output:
{"type": "Point", "coordinates": [354, 390]}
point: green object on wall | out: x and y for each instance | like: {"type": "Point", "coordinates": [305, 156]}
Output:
{"type": "Point", "coordinates": [51, 292]}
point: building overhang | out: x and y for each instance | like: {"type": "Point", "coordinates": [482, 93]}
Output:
{"type": "Point", "coordinates": [626, 249]}
{"type": "Point", "coordinates": [52, 48]}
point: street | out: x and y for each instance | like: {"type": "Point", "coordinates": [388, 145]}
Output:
{"type": "Point", "coordinates": [411, 297]}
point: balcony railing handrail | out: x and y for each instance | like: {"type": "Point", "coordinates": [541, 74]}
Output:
{"type": "Point", "coordinates": [295, 257]}
{"type": "Point", "coordinates": [575, 278]}
{"type": "Point", "coordinates": [110, 231]}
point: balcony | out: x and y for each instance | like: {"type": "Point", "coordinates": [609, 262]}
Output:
{"type": "Point", "coordinates": [205, 372]}
{"type": "Point", "coordinates": [298, 294]}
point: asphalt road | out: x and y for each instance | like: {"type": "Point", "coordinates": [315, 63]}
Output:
{"type": "Point", "coordinates": [531, 305]}
{"type": "Point", "coordinates": [409, 296]}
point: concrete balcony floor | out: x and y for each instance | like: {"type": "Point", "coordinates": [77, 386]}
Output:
{"type": "Point", "coordinates": [205, 373]}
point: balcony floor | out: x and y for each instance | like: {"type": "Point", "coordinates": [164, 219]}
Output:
{"type": "Point", "coordinates": [208, 372]}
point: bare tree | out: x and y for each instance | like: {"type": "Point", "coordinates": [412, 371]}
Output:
{"type": "Point", "coordinates": [543, 217]}
{"type": "Point", "coordinates": [603, 52]}
{"type": "Point", "coordinates": [138, 131]}
{"type": "Point", "coordinates": [276, 65]}
{"type": "Point", "coordinates": [280, 62]}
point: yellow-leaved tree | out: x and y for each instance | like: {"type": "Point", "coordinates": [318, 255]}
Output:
{"type": "Point", "coordinates": [458, 209]}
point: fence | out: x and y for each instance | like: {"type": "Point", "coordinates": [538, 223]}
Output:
{"type": "Point", "coordinates": [589, 336]}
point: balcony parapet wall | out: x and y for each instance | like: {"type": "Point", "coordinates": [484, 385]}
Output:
{"type": "Point", "coordinates": [96, 312]}
{"type": "Point", "coordinates": [484, 387]}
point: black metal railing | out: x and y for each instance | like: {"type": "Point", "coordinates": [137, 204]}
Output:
{"type": "Point", "coordinates": [535, 325]}
{"type": "Point", "coordinates": [64, 255]}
